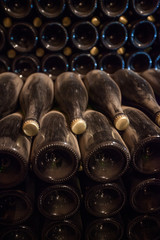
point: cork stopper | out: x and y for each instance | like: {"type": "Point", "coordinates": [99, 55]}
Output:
{"type": "Point", "coordinates": [121, 122]}
{"type": "Point", "coordinates": [123, 20]}
{"type": "Point", "coordinates": [95, 21]}
{"type": "Point", "coordinates": [78, 126]}
{"type": "Point", "coordinates": [157, 118]}
{"type": "Point", "coordinates": [30, 128]}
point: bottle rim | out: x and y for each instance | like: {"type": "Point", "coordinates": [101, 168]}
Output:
{"type": "Point", "coordinates": [2, 37]}
{"type": "Point", "coordinates": [16, 229]}
{"type": "Point", "coordinates": [133, 56]}
{"type": "Point", "coordinates": [114, 14]}
{"type": "Point", "coordinates": [5, 62]}
{"type": "Point", "coordinates": [145, 13]}
{"type": "Point", "coordinates": [81, 14]}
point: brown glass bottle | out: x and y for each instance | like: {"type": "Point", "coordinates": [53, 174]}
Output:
{"type": "Point", "coordinates": [114, 8]}
{"type": "Point", "coordinates": [136, 91]}
{"type": "Point", "coordinates": [145, 8]}
{"type": "Point", "coordinates": [105, 157]}
{"type": "Point", "coordinates": [72, 97]}
{"type": "Point", "coordinates": [106, 96]}
{"type": "Point", "coordinates": [82, 9]}
{"type": "Point", "coordinates": [10, 87]}
{"type": "Point", "coordinates": [55, 151]}
{"type": "Point", "coordinates": [14, 151]}
{"type": "Point", "coordinates": [36, 99]}
{"type": "Point", "coordinates": [142, 138]}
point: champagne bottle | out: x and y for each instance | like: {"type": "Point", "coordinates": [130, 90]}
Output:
{"type": "Point", "coordinates": [114, 8]}
{"type": "Point", "coordinates": [81, 8]}
{"type": "Point", "coordinates": [105, 157]}
{"type": "Point", "coordinates": [84, 35]}
{"type": "Point", "coordinates": [55, 154]}
{"type": "Point", "coordinates": [59, 201]}
{"type": "Point", "coordinates": [53, 36]}
{"type": "Point", "coordinates": [157, 62]}
{"type": "Point", "coordinates": [152, 77]}
{"type": "Point", "coordinates": [142, 138]}
{"type": "Point", "coordinates": [25, 65]}
{"type": "Point", "coordinates": [10, 87]}
{"type": "Point", "coordinates": [139, 61]}
{"type": "Point", "coordinates": [50, 9]}
{"type": "Point", "coordinates": [14, 151]}
{"type": "Point", "coordinates": [22, 37]}
{"type": "Point", "coordinates": [2, 38]}
{"type": "Point", "coordinates": [111, 62]}
{"type": "Point", "coordinates": [145, 8]}
{"type": "Point", "coordinates": [137, 92]}
{"type": "Point", "coordinates": [143, 34]}
{"type": "Point", "coordinates": [83, 63]}
{"type": "Point", "coordinates": [4, 64]}
{"type": "Point", "coordinates": [36, 98]}
{"type": "Point", "coordinates": [18, 232]}
{"type": "Point", "coordinates": [17, 8]}
{"type": "Point", "coordinates": [72, 97]}
{"type": "Point", "coordinates": [106, 96]}
{"type": "Point", "coordinates": [16, 204]}
{"type": "Point", "coordinates": [54, 64]}
{"type": "Point", "coordinates": [114, 35]}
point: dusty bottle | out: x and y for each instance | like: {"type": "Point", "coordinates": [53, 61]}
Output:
{"type": "Point", "coordinates": [106, 96]}
{"type": "Point", "coordinates": [55, 152]}
{"type": "Point", "coordinates": [105, 157]}
{"type": "Point", "coordinates": [72, 97]}
{"type": "Point", "coordinates": [17, 204]}
{"type": "Point", "coordinates": [142, 138]}
{"type": "Point", "coordinates": [14, 151]}
{"type": "Point", "coordinates": [81, 8]}
{"type": "Point", "coordinates": [36, 98]}
{"type": "Point", "coordinates": [145, 8]}
{"type": "Point", "coordinates": [10, 87]}
{"type": "Point", "coordinates": [136, 91]}
{"type": "Point", "coordinates": [59, 201]}
{"type": "Point", "coordinates": [114, 8]}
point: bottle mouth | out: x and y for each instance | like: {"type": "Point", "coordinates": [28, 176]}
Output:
{"type": "Point", "coordinates": [114, 8]}
{"type": "Point", "coordinates": [82, 8]}
{"type": "Point", "coordinates": [16, 207]}
{"type": "Point", "coordinates": [56, 163]}
{"type": "Point", "coordinates": [145, 8]}
{"type": "Point", "coordinates": [4, 65]}
{"type": "Point", "coordinates": [58, 202]}
{"type": "Point", "coordinates": [53, 36]}
{"type": "Point", "coordinates": [50, 9]}
{"type": "Point", "coordinates": [107, 162]}
{"type": "Point", "coordinates": [13, 168]}
{"type": "Point", "coordinates": [139, 62]}
{"type": "Point", "coordinates": [146, 197]}
{"type": "Point", "coordinates": [106, 228]}
{"type": "Point", "coordinates": [19, 233]}
{"type": "Point", "coordinates": [18, 8]}
{"type": "Point", "coordinates": [143, 226]}
{"type": "Point", "coordinates": [146, 157]}
{"type": "Point", "coordinates": [105, 200]}
{"type": "Point", "coordinates": [60, 229]}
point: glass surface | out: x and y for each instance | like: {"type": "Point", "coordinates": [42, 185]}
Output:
{"type": "Point", "coordinates": [82, 64]}
{"type": "Point", "coordinates": [146, 6]}
{"type": "Point", "coordinates": [114, 7]}
{"type": "Point", "coordinates": [61, 232]}
{"type": "Point", "coordinates": [17, 234]}
{"type": "Point", "coordinates": [111, 63]}
{"type": "Point", "coordinates": [50, 8]}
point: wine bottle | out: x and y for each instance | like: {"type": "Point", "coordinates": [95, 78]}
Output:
{"type": "Point", "coordinates": [110, 228]}
{"type": "Point", "coordinates": [59, 201]}
{"type": "Point", "coordinates": [54, 64]}
{"type": "Point", "coordinates": [106, 96]}
{"type": "Point", "coordinates": [111, 62]}
{"type": "Point", "coordinates": [68, 229]}
{"type": "Point", "coordinates": [72, 98]}
{"type": "Point", "coordinates": [142, 138]}
{"type": "Point", "coordinates": [114, 8]}
{"type": "Point", "coordinates": [17, 8]}
{"type": "Point", "coordinates": [152, 77]}
{"type": "Point", "coordinates": [84, 35]}
{"type": "Point", "coordinates": [22, 37]}
{"type": "Point", "coordinates": [16, 204]}
{"type": "Point", "coordinates": [55, 154]}
{"type": "Point", "coordinates": [14, 151]}
{"type": "Point", "coordinates": [10, 87]}
{"type": "Point", "coordinates": [25, 65]}
{"type": "Point", "coordinates": [2, 38]}
{"type": "Point", "coordinates": [114, 35]}
{"type": "Point", "coordinates": [103, 200]}
{"type": "Point", "coordinates": [145, 8]}
{"type": "Point", "coordinates": [156, 63]}
{"type": "Point", "coordinates": [82, 9]}
{"type": "Point", "coordinates": [36, 98]}
{"type": "Point", "coordinates": [137, 92]}
{"type": "Point", "coordinates": [139, 61]}
{"type": "Point", "coordinates": [53, 36]}
{"type": "Point", "coordinates": [143, 34]}
{"type": "Point", "coordinates": [4, 64]}
{"type": "Point", "coordinates": [105, 156]}
{"type": "Point", "coordinates": [143, 226]}
{"type": "Point", "coordinates": [50, 9]}
{"type": "Point", "coordinates": [82, 63]}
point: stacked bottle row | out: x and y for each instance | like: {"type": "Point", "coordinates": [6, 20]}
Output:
{"type": "Point", "coordinates": [56, 37]}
